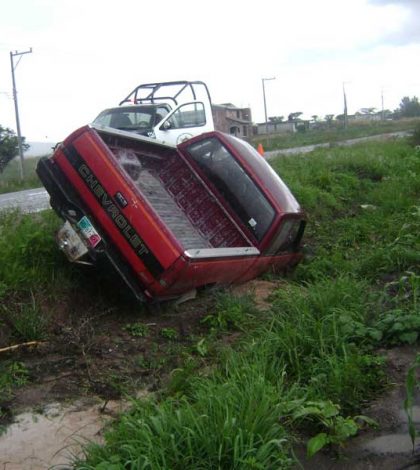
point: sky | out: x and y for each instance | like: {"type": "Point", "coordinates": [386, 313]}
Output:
{"type": "Point", "coordinates": [89, 54]}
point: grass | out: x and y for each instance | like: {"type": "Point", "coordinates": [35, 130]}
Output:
{"type": "Point", "coordinates": [26, 249]}
{"type": "Point", "coordinates": [252, 384]}
{"type": "Point", "coordinates": [307, 365]}
{"type": "Point", "coordinates": [12, 374]}
{"type": "Point", "coordinates": [10, 179]}
{"type": "Point", "coordinates": [31, 272]}
{"type": "Point", "coordinates": [334, 133]}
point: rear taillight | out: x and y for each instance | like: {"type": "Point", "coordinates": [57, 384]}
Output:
{"type": "Point", "coordinates": [289, 236]}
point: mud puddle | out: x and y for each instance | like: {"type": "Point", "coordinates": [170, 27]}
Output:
{"type": "Point", "coordinates": [388, 447]}
{"type": "Point", "coordinates": [54, 437]}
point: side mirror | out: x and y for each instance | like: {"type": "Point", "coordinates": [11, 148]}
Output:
{"type": "Point", "coordinates": [166, 125]}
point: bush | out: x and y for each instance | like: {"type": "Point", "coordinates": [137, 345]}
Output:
{"type": "Point", "coordinates": [415, 138]}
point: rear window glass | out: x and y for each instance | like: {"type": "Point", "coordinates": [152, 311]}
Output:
{"type": "Point", "coordinates": [234, 184]}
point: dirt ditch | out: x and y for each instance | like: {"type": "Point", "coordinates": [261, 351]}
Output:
{"type": "Point", "coordinates": [79, 376]}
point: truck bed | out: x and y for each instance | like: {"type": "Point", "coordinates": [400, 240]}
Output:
{"type": "Point", "coordinates": [180, 199]}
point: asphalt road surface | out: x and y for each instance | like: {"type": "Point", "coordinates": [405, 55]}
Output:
{"type": "Point", "coordinates": [36, 200]}
{"type": "Point", "coordinates": [29, 200]}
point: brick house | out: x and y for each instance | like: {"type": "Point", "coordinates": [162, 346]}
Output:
{"type": "Point", "coordinates": [232, 120]}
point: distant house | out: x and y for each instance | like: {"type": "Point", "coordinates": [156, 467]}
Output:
{"type": "Point", "coordinates": [230, 119]}
{"type": "Point", "coordinates": [367, 117]}
{"type": "Point", "coordinates": [276, 127]}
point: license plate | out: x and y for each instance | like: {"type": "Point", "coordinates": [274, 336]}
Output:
{"type": "Point", "coordinates": [88, 231]}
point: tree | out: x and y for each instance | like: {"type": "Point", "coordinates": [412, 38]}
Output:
{"type": "Point", "coordinates": [9, 146]}
{"type": "Point", "coordinates": [409, 107]}
{"type": "Point", "coordinates": [276, 119]}
{"type": "Point", "coordinates": [293, 117]}
{"type": "Point", "coordinates": [329, 119]}
{"type": "Point", "coordinates": [367, 111]}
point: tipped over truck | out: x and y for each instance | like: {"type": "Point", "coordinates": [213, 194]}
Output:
{"type": "Point", "coordinates": [171, 219]}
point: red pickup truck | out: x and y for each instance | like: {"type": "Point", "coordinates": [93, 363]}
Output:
{"type": "Point", "coordinates": [171, 219]}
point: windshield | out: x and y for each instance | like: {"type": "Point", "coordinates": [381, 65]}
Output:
{"type": "Point", "coordinates": [133, 118]}
{"type": "Point", "coordinates": [235, 185]}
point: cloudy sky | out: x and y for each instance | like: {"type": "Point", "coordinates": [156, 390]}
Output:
{"type": "Point", "coordinates": [88, 54]}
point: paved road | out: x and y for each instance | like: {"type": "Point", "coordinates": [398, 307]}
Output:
{"type": "Point", "coordinates": [30, 200]}
{"type": "Point", "coordinates": [36, 200]}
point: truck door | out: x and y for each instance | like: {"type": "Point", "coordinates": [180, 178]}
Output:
{"type": "Point", "coordinates": [185, 121]}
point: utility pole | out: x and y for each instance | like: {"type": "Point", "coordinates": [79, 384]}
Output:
{"type": "Point", "coordinates": [19, 135]}
{"type": "Point", "coordinates": [265, 104]}
{"type": "Point", "coordinates": [345, 107]}
{"type": "Point", "coordinates": [382, 102]}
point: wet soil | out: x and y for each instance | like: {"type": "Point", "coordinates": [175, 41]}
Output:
{"type": "Point", "coordinates": [79, 375]}
{"type": "Point", "coordinates": [92, 358]}
{"type": "Point", "coordinates": [388, 447]}
{"type": "Point", "coordinates": [97, 352]}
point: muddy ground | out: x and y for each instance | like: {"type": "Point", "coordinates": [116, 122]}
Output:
{"type": "Point", "coordinates": [103, 352]}
{"type": "Point", "coordinates": [387, 447]}
{"type": "Point", "coordinates": [94, 356]}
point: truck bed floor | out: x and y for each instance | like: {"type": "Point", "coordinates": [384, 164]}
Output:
{"type": "Point", "coordinates": [167, 209]}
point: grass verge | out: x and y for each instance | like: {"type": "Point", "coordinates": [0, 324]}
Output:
{"type": "Point", "coordinates": [334, 133]}
{"type": "Point", "coordinates": [10, 179]}
{"type": "Point", "coordinates": [304, 368]}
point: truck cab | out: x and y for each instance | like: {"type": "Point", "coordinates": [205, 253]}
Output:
{"type": "Point", "coordinates": [171, 112]}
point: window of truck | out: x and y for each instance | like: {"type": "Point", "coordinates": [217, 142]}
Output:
{"type": "Point", "coordinates": [234, 184]}
{"type": "Point", "coordinates": [133, 118]}
{"type": "Point", "coordinates": [188, 115]}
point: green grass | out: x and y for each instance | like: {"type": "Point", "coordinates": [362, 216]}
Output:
{"type": "Point", "coordinates": [12, 375]}
{"type": "Point", "coordinates": [32, 270]}
{"type": "Point", "coordinates": [10, 179]}
{"type": "Point", "coordinates": [28, 252]}
{"type": "Point", "coordinates": [308, 364]}
{"type": "Point", "coordinates": [334, 133]}
{"type": "Point", "coordinates": [255, 383]}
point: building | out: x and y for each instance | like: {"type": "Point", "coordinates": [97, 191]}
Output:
{"type": "Point", "coordinates": [282, 127]}
{"type": "Point", "coordinates": [232, 120]}
{"type": "Point", "coordinates": [366, 117]}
